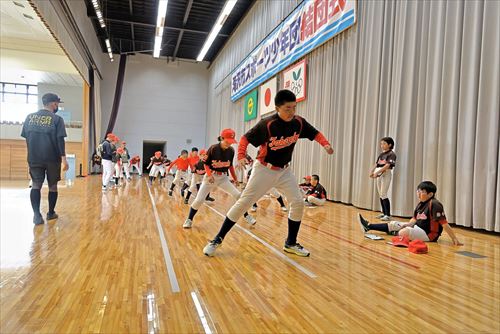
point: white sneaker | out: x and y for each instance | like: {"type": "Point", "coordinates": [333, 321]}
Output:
{"type": "Point", "coordinates": [386, 218]}
{"type": "Point", "coordinates": [250, 219]}
{"type": "Point", "coordinates": [253, 208]}
{"type": "Point", "coordinates": [104, 188]}
{"type": "Point", "coordinates": [212, 246]}
{"type": "Point", "coordinates": [284, 209]}
{"type": "Point", "coordinates": [296, 249]}
{"type": "Point", "coordinates": [188, 223]}
{"type": "Point", "coordinates": [380, 216]}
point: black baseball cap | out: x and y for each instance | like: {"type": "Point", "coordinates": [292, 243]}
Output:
{"type": "Point", "coordinates": [50, 97]}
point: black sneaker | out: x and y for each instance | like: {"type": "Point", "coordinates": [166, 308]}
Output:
{"type": "Point", "coordinates": [209, 199]}
{"type": "Point", "coordinates": [52, 216]}
{"type": "Point", "coordinates": [38, 219]}
{"type": "Point", "coordinates": [186, 201]}
{"type": "Point", "coordinates": [170, 193]}
{"type": "Point", "coordinates": [182, 192]}
{"type": "Point", "coordinates": [364, 224]}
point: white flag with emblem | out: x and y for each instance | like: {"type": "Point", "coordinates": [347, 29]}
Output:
{"type": "Point", "coordinates": [267, 91]}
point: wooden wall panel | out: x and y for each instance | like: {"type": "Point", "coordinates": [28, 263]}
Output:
{"type": "Point", "coordinates": [5, 161]}
{"type": "Point", "coordinates": [13, 158]}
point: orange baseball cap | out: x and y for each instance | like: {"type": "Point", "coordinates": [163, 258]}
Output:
{"type": "Point", "coordinates": [158, 154]}
{"type": "Point", "coordinates": [400, 241]}
{"type": "Point", "coordinates": [308, 177]}
{"type": "Point", "coordinates": [228, 135]}
{"type": "Point", "coordinates": [203, 151]}
{"type": "Point", "coordinates": [417, 246]}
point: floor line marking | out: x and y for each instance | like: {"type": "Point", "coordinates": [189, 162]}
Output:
{"type": "Point", "coordinates": [174, 284]}
{"type": "Point", "coordinates": [271, 248]}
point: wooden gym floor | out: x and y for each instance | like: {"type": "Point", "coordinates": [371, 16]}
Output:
{"type": "Point", "coordinates": [103, 267]}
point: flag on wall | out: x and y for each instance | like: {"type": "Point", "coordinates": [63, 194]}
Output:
{"type": "Point", "coordinates": [251, 106]}
{"type": "Point", "coordinates": [267, 92]}
{"type": "Point", "coordinates": [295, 79]}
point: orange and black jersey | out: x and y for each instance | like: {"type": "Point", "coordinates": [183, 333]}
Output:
{"type": "Point", "coordinates": [276, 138]}
{"type": "Point", "coordinates": [430, 218]}
{"type": "Point", "coordinates": [199, 167]}
{"type": "Point", "coordinates": [219, 159]}
{"type": "Point", "coordinates": [318, 191]}
{"type": "Point", "coordinates": [388, 157]}
{"type": "Point", "coordinates": [157, 161]}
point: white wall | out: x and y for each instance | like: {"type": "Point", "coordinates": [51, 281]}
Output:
{"type": "Point", "coordinates": [160, 102]}
{"type": "Point", "coordinates": [13, 131]}
{"type": "Point", "coordinates": [72, 96]}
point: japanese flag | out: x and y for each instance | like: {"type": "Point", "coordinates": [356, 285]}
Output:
{"type": "Point", "coordinates": [266, 97]}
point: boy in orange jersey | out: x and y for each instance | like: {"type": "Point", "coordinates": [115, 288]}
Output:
{"type": "Point", "coordinates": [182, 164]}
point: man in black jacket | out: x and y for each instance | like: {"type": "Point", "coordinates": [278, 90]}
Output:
{"type": "Point", "coordinates": [45, 132]}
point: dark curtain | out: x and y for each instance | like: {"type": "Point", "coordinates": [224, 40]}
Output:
{"type": "Point", "coordinates": [118, 94]}
{"type": "Point", "coordinates": [92, 125]}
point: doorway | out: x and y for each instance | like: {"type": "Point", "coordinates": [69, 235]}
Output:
{"type": "Point", "coordinates": [149, 147]}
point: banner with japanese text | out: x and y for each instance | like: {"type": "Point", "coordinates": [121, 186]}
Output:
{"type": "Point", "coordinates": [311, 24]}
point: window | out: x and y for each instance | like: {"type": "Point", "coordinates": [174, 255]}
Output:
{"type": "Point", "coordinates": [17, 101]}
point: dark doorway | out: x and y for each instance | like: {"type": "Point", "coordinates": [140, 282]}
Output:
{"type": "Point", "coordinates": [149, 148]}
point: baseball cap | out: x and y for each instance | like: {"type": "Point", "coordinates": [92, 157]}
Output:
{"type": "Point", "coordinates": [119, 150]}
{"type": "Point", "coordinates": [417, 246]}
{"type": "Point", "coordinates": [228, 135]}
{"type": "Point", "coordinates": [203, 151]}
{"type": "Point", "coordinates": [158, 154]}
{"type": "Point", "coordinates": [400, 241]}
{"type": "Point", "coordinates": [308, 177]}
{"type": "Point", "coordinates": [50, 97]}
{"type": "Point", "coordinates": [124, 143]}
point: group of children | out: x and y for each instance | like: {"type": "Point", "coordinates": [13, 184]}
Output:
{"type": "Point", "coordinates": [116, 161]}
{"type": "Point", "coordinates": [207, 170]}
{"type": "Point", "coordinates": [428, 220]}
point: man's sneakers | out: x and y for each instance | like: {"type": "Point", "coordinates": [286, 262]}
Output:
{"type": "Point", "coordinates": [296, 249]}
{"type": "Point", "coordinates": [209, 199]}
{"type": "Point", "coordinates": [380, 216]}
{"type": "Point", "coordinates": [186, 200]}
{"type": "Point", "coordinates": [386, 218]}
{"type": "Point", "coordinates": [52, 216]}
{"type": "Point", "coordinates": [253, 208]}
{"type": "Point", "coordinates": [38, 219]}
{"type": "Point", "coordinates": [170, 193]}
{"type": "Point", "coordinates": [188, 223]}
{"type": "Point", "coordinates": [364, 224]}
{"type": "Point", "coordinates": [250, 219]}
{"type": "Point", "coordinates": [104, 188]}
{"type": "Point", "coordinates": [284, 209]}
{"type": "Point", "coordinates": [212, 246]}
{"type": "Point", "coordinates": [182, 192]}
{"type": "Point", "coordinates": [308, 204]}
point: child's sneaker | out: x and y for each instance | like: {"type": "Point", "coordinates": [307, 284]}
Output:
{"type": "Point", "coordinates": [188, 223]}
{"type": "Point", "coordinates": [250, 219]}
{"type": "Point", "coordinates": [296, 249]}
{"type": "Point", "coordinates": [364, 224]}
{"type": "Point", "coordinates": [209, 249]}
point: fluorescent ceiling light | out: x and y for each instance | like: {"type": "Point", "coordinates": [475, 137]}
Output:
{"type": "Point", "coordinates": [228, 7]}
{"type": "Point", "coordinates": [160, 23]}
{"type": "Point", "coordinates": [156, 51]}
{"type": "Point", "coordinates": [110, 51]}
{"type": "Point", "coordinates": [98, 12]}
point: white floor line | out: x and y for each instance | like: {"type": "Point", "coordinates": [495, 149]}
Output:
{"type": "Point", "coordinates": [201, 314]}
{"type": "Point", "coordinates": [174, 284]}
{"type": "Point", "coordinates": [274, 250]}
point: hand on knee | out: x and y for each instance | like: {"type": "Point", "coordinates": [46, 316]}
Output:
{"type": "Point", "coordinates": [405, 232]}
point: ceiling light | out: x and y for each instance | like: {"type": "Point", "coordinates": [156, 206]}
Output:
{"type": "Point", "coordinates": [110, 51]}
{"type": "Point", "coordinates": [160, 24]}
{"type": "Point", "coordinates": [98, 12]}
{"type": "Point", "coordinates": [228, 7]}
